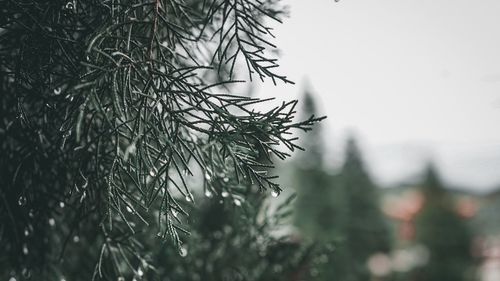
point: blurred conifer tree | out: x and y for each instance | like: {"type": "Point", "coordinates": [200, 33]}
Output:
{"type": "Point", "coordinates": [320, 210]}
{"type": "Point", "coordinates": [366, 232]}
{"type": "Point", "coordinates": [445, 234]}
{"type": "Point", "coordinates": [340, 213]}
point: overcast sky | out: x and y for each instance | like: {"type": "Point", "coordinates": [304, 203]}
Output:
{"type": "Point", "coordinates": [414, 79]}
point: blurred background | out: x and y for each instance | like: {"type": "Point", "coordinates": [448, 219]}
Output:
{"type": "Point", "coordinates": [412, 94]}
{"type": "Point", "coordinates": [414, 80]}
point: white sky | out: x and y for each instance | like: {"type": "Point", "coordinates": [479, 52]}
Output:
{"type": "Point", "coordinates": [413, 79]}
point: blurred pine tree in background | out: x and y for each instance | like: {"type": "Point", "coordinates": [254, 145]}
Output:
{"type": "Point", "coordinates": [339, 213]}
{"type": "Point", "coordinates": [367, 232]}
{"type": "Point", "coordinates": [444, 233]}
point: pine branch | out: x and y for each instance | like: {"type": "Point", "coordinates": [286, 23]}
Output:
{"type": "Point", "coordinates": [107, 111]}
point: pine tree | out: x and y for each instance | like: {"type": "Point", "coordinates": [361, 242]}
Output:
{"type": "Point", "coordinates": [443, 232]}
{"type": "Point", "coordinates": [315, 209]}
{"type": "Point", "coordinates": [229, 240]}
{"type": "Point", "coordinates": [109, 108]}
{"type": "Point", "coordinates": [320, 207]}
{"type": "Point", "coordinates": [366, 230]}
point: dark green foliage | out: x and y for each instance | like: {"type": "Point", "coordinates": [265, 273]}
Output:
{"type": "Point", "coordinates": [313, 141]}
{"type": "Point", "coordinates": [339, 214]}
{"type": "Point", "coordinates": [364, 230]}
{"type": "Point", "coordinates": [320, 204]}
{"type": "Point", "coordinates": [444, 233]}
{"type": "Point", "coordinates": [320, 208]}
{"type": "Point", "coordinates": [108, 110]}
{"type": "Point", "coordinates": [228, 242]}
{"type": "Point", "coordinates": [367, 231]}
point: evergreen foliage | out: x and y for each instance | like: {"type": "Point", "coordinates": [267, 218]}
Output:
{"type": "Point", "coordinates": [338, 213]}
{"type": "Point", "coordinates": [229, 240]}
{"type": "Point", "coordinates": [444, 233]}
{"type": "Point", "coordinates": [229, 243]}
{"type": "Point", "coordinates": [109, 108]}
{"type": "Point", "coordinates": [320, 204]}
{"type": "Point", "coordinates": [367, 231]}
{"type": "Point", "coordinates": [319, 208]}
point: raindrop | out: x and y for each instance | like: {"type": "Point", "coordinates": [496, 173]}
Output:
{"type": "Point", "coordinates": [63, 279]}
{"type": "Point", "coordinates": [70, 6]}
{"type": "Point", "coordinates": [226, 179]}
{"type": "Point", "coordinates": [22, 200]}
{"type": "Point", "coordinates": [140, 272]}
{"type": "Point", "coordinates": [76, 239]}
{"type": "Point", "coordinates": [225, 194]}
{"type": "Point", "coordinates": [121, 278]}
{"type": "Point", "coordinates": [61, 204]}
{"type": "Point", "coordinates": [67, 134]}
{"type": "Point", "coordinates": [152, 173]}
{"type": "Point", "coordinates": [25, 249]}
{"type": "Point", "coordinates": [237, 202]}
{"type": "Point", "coordinates": [208, 193]}
{"type": "Point", "coordinates": [31, 214]}
{"type": "Point", "coordinates": [207, 176]}
{"type": "Point", "coordinates": [129, 209]}
{"type": "Point", "coordinates": [175, 213]}
{"type": "Point", "coordinates": [183, 251]}
{"type": "Point", "coordinates": [12, 278]}
{"type": "Point", "coordinates": [52, 222]}
{"type": "Point", "coordinates": [189, 197]}
{"type": "Point", "coordinates": [57, 91]}
{"type": "Point", "coordinates": [26, 232]}
{"type": "Point", "coordinates": [26, 273]}
{"type": "Point", "coordinates": [275, 193]}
